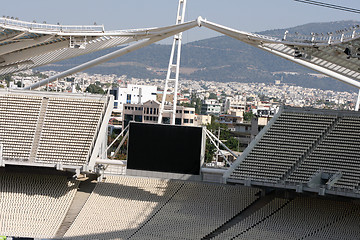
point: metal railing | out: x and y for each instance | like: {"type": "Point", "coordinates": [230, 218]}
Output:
{"type": "Point", "coordinates": [329, 38]}
{"type": "Point", "coordinates": [50, 27]}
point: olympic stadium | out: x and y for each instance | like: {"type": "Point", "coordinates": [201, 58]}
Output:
{"type": "Point", "coordinates": [298, 179]}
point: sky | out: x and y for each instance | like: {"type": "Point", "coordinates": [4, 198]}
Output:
{"type": "Point", "coordinates": [251, 15]}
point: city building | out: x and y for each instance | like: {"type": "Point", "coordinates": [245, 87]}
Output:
{"type": "Point", "coordinates": [148, 112]}
{"type": "Point", "coordinates": [210, 106]}
{"type": "Point", "coordinates": [234, 104]}
{"type": "Point", "coordinates": [202, 120]}
{"type": "Point", "coordinates": [265, 109]}
{"type": "Point", "coordinates": [131, 94]}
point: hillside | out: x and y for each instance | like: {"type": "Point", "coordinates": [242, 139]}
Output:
{"type": "Point", "coordinates": [217, 59]}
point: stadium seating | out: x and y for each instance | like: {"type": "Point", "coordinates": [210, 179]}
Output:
{"type": "Point", "coordinates": [289, 138]}
{"type": "Point", "coordinates": [205, 206]}
{"type": "Point", "coordinates": [301, 144]}
{"type": "Point", "coordinates": [18, 120]}
{"type": "Point", "coordinates": [118, 206]}
{"type": "Point", "coordinates": [69, 130]}
{"type": "Point", "coordinates": [254, 219]}
{"type": "Point", "coordinates": [124, 207]}
{"type": "Point", "coordinates": [43, 128]}
{"type": "Point", "coordinates": [33, 205]}
{"type": "Point", "coordinates": [301, 218]}
{"type": "Point", "coordinates": [338, 152]}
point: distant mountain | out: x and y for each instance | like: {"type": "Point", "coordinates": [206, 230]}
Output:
{"type": "Point", "coordinates": [217, 59]}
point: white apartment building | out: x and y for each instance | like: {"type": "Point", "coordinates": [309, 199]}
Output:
{"type": "Point", "coordinates": [131, 94]}
{"type": "Point", "coordinates": [210, 106]}
{"type": "Point", "coordinates": [234, 104]}
{"type": "Point", "coordinates": [148, 112]}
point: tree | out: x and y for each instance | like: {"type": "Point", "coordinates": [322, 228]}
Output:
{"type": "Point", "coordinates": [248, 116]}
{"type": "Point", "coordinates": [225, 135]}
{"type": "Point", "coordinates": [7, 79]}
{"type": "Point", "coordinates": [19, 84]}
{"type": "Point", "coordinates": [232, 143]}
{"type": "Point", "coordinates": [92, 88]}
{"type": "Point", "coordinates": [212, 96]}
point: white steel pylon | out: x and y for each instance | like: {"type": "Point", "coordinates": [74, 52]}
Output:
{"type": "Point", "coordinates": [172, 75]}
{"type": "Point", "coordinates": [357, 102]}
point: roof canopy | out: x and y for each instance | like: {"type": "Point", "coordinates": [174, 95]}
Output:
{"type": "Point", "coordinates": [335, 56]}
{"type": "Point", "coordinates": [25, 45]}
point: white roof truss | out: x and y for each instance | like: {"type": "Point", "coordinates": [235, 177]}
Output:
{"type": "Point", "coordinates": [335, 57]}
{"type": "Point", "coordinates": [25, 45]}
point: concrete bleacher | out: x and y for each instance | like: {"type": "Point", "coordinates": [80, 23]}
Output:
{"type": "Point", "coordinates": [142, 208]}
{"type": "Point", "coordinates": [48, 129]}
{"type": "Point", "coordinates": [18, 121]}
{"type": "Point", "coordinates": [338, 152]}
{"type": "Point", "coordinates": [299, 218]}
{"type": "Point", "coordinates": [298, 146]}
{"type": "Point", "coordinates": [34, 205]}
{"type": "Point", "coordinates": [287, 140]}
{"type": "Point", "coordinates": [121, 207]}
{"type": "Point", "coordinates": [69, 130]}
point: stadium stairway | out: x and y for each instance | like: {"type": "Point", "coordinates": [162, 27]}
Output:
{"type": "Point", "coordinates": [255, 206]}
{"type": "Point", "coordinates": [84, 190]}
{"type": "Point", "coordinates": [39, 127]}
{"type": "Point", "coordinates": [310, 150]}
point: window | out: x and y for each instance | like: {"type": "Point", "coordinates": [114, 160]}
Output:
{"type": "Point", "coordinates": [191, 120]}
{"type": "Point", "coordinates": [138, 118]}
{"type": "Point", "coordinates": [186, 112]}
{"type": "Point", "coordinates": [115, 105]}
{"type": "Point", "coordinates": [186, 120]}
{"type": "Point", "coordinates": [128, 98]}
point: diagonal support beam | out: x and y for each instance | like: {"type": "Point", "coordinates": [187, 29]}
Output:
{"type": "Point", "coordinates": [162, 35]}
{"type": "Point", "coordinates": [252, 39]}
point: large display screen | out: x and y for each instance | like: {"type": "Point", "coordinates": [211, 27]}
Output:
{"type": "Point", "coordinates": [164, 148]}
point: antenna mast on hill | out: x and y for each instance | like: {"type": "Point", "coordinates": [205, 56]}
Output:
{"type": "Point", "coordinates": [172, 75]}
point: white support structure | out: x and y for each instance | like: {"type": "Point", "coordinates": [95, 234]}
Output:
{"type": "Point", "coordinates": [335, 58]}
{"type": "Point", "coordinates": [357, 102]}
{"type": "Point", "coordinates": [209, 133]}
{"type": "Point", "coordinates": [174, 67]}
{"type": "Point", "coordinates": [117, 138]}
{"type": "Point", "coordinates": [158, 37]}
{"type": "Point", "coordinates": [26, 45]}
{"type": "Point", "coordinates": [121, 143]}
{"type": "Point", "coordinates": [217, 147]}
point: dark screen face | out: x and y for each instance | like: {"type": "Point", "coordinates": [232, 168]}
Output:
{"type": "Point", "coordinates": [164, 148]}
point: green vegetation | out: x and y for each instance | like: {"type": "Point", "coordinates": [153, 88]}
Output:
{"type": "Point", "coordinates": [19, 84]}
{"type": "Point", "coordinates": [7, 78]}
{"type": "Point", "coordinates": [248, 116]}
{"type": "Point", "coordinates": [226, 137]}
{"type": "Point", "coordinates": [121, 155]}
{"type": "Point", "coordinates": [195, 102]}
{"type": "Point", "coordinates": [213, 96]}
{"type": "Point", "coordinates": [92, 88]}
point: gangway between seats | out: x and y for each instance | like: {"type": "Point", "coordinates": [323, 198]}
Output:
{"type": "Point", "coordinates": [2, 164]}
